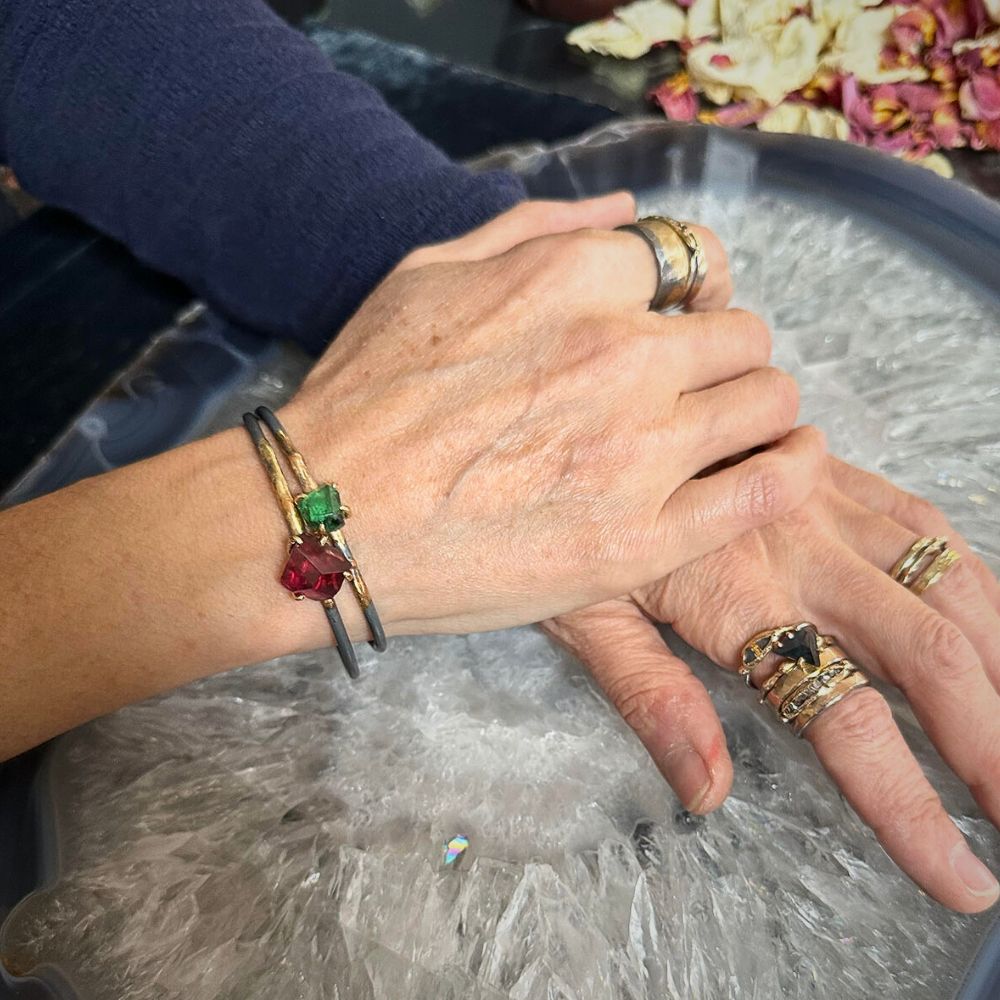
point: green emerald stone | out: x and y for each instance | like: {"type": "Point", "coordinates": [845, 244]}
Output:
{"type": "Point", "coordinates": [321, 508]}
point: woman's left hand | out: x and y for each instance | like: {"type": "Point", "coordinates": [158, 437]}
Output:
{"type": "Point", "coordinates": [827, 562]}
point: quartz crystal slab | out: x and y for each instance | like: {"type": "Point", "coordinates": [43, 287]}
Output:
{"type": "Point", "coordinates": [278, 832]}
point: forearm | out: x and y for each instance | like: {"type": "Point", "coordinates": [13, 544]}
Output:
{"type": "Point", "coordinates": [140, 580]}
{"type": "Point", "coordinates": [221, 147]}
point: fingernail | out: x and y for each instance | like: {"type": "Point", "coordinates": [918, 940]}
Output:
{"type": "Point", "coordinates": [688, 776]}
{"type": "Point", "coordinates": [978, 879]}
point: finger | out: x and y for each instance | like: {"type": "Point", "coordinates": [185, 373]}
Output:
{"type": "Point", "coordinates": [716, 347]}
{"type": "Point", "coordinates": [864, 752]}
{"type": "Point", "coordinates": [958, 596]}
{"type": "Point", "coordinates": [528, 221]}
{"type": "Point", "coordinates": [920, 516]}
{"type": "Point", "coordinates": [857, 741]}
{"type": "Point", "coordinates": [922, 653]}
{"type": "Point", "coordinates": [704, 514]}
{"type": "Point", "coordinates": [746, 412]}
{"type": "Point", "coordinates": [718, 288]}
{"type": "Point", "coordinates": [657, 695]}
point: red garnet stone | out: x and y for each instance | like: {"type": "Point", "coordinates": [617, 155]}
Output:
{"type": "Point", "coordinates": [313, 570]}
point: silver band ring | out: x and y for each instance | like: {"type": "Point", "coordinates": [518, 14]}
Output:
{"type": "Point", "coordinates": [680, 260]}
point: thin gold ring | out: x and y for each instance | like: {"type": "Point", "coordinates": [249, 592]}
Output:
{"type": "Point", "coordinates": [924, 563]}
{"type": "Point", "coordinates": [935, 571]}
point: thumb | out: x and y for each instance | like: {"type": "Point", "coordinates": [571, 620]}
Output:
{"type": "Point", "coordinates": [656, 694]}
{"type": "Point", "coordinates": [524, 222]}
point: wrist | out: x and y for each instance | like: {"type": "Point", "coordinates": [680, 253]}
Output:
{"type": "Point", "coordinates": [318, 563]}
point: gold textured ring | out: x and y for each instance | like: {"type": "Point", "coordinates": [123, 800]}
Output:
{"type": "Point", "coordinates": [924, 563]}
{"type": "Point", "coordinates": [698, 263]}
{"type": "Point", "coordinates": [814, 674]}
{"type": "Point", "coordinates": [680, 260]}
{"type": "Point", "coordinates": [935, 571]}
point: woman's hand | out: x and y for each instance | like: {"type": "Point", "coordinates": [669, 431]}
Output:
{"type": "Point", "coordinates": [517, 433]}
{"type": "Point", "coordinates": [514, 431]}
{"type": "Point", "coordinates": [827, 562]}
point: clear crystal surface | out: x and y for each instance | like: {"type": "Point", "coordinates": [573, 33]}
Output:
{"type": "Point", "coordinates": [278, 831]}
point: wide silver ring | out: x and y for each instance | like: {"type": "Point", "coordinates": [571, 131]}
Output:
{"type": "Point", "coordinates": [680, 260]}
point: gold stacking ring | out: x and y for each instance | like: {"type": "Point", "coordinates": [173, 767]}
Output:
{"type": "Point", "coordinates": [680, 260]}
{"type": "Point", "coordinates": [814, 674]}
{"type": "Point", "coordinates": [924, 563]}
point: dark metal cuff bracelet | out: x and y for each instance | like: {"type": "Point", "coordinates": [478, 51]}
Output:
{"type": "Point", "coordinates": [319, 558]}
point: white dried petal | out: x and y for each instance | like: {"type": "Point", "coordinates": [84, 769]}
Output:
{"type": "Point", "coordinates": [937, 162]}
{"type": "Point", "coordinates": [741, 19]}
{"type": "Point", "coordinates": [770, 66]}
{"type": "Point", "coordinates": [633, 31]}
{"type": "Point", "coordinates": [801, 119]}
{"type": "Point", "coordinates": [990, 41]}
{"type": "Point", "coordinates": [858, 46]}
{"type": "Point", "coordinates": [609, 37]}
{"type": "Point", "coordinates": [703, 19]}
{"type": "Point", "coordinates": [654, 20]}
{"type": "Point", "coordinates": [833, 13]}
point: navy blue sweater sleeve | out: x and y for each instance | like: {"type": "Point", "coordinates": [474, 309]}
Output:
{"type": "Point", "coordinates": [221, 147]}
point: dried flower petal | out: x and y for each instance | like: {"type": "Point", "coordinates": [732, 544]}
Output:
{"type": "Point", "coordinates": [979, 97]}
{"type": "Point", "coordinates": [677, 98]}
{"type": "Point", "coordinates": [735, 115]}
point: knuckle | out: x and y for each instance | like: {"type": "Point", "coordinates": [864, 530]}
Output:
{"type": "Point", "coordinates": [863, 719]}
{"type": "Point", "coordinates": [566, 261]}
{"type": "Point", "coordinates": [747, 324]}
{"type": "Point", "coordinates": [917, 807]}
{"type": "Point", "coordinates": [814, 441]}
{"type": "Point", "coordinates": [639, 695]}
{"type": "Point", "coordinates": [949, 657]}
{"type": "Point", "coordinates": [762, 491]}
{"type": "Point", "coordinates": [593, 250]}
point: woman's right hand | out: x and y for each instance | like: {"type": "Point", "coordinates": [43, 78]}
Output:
{"type": "Point", "coordinates": [514, 430]}
{"type": "Point", "coordinates": [518, 435]}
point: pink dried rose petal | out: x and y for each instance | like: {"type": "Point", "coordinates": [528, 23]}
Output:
{"type": "Point", "coordinates": [677, 98]}
{"type": "Point", "coordinates": [913, 31]}
{"type": "Point", "coordinates": [736, 115]}
{"type": "Point", "coordinates": [824, 89]}
{"type": "Point", "coordinates": [943, 70]}
{"type": "Point", "coordinates": [920, 98]}
{"type": "Point", "coordinates": [951, 20]}
{"type": "Point", "coordinates": [946, 129]}
{"type": "Point", "coordinates": [979, 97]}
{"type": "Point", "coordinates": [979, 20]}
{"type": "Point", "coordinates": [988, 135]}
